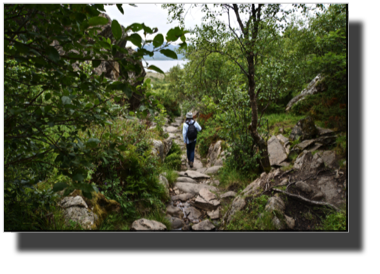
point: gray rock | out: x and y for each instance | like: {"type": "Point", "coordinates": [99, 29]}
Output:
{"type": "Point", "coordinates": [214, 153]}
{"type": "Point", "coordinates": [158, 149]}
{"type": "Point", "coordinates": [304, 144]}
{"type": "Point", "coordinates": [73, 201]}
{"type": "Point", "coordinates": [193, 188]}
{"type": "Point", "coordinates": [304, 129]}
{"type": "Point", "coordinates": [282, 139]}
{"type": "Point", "coordinates": [276, 151]}
{"type": "Point", "coordinates": [237, 205]}
{"type": "Point", "coordinates": [176, 223]}
{"type": "Point", "coordinates": [316, 162]}
{"type": "Point", "coordinates": [204, 225]}
{"type": "Point", "coordinates": [144, 224]}
{"type": "Point", "coordinates": [275, 203]}
{"type": "Point", "coordinates": [167, 146]}
{"type": "Point", "coordinates": [318, 196]}
{"type": "Point", "coordinates": [301, 160]}
{"type": "Point", "coordinates": [329, 158]}
{"type": "Point", "coordinates": [303, 186]}
{"type": "Point", "coordinates": [315, 86]}
{"type": "Point", "coordinates": [329, 188]}
{"type": "Point", "coordinates": [202, 170]}
{"type": "Point", "coordinates": [213, 170]}
{"type": "Point", "coordinates": [183, 197]}
{"type": "Point", "coordinates": [325, 131]}
{"type": "Point", "coordinates": [206, 200]}
{"type": "Point", "coordinates": [290, 222]}
{"type": "Point", "coordinates": [84, 217]}
{"type": "Point", "coordinates": [192, 213]}
{"type": "Point", "coordinates": [174, 211]}
{"type": "Point", "coordinates": [278, 224]}
{"type": "Point", "coordinates": [229, 194]}
{"type": "Point", "coordinates": [186, 180]}
{"type": "Point", "coordinates": [163, 181]}
{"type": "Point", "coordinates": [214, 214]}
{"type": "Point", "coordinates": [171, 129]}
{"type": "Point", "coordinates": [193, 174]}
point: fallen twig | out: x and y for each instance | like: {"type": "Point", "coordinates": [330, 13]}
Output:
{"type": "Point", "coordinates": [305, 199]}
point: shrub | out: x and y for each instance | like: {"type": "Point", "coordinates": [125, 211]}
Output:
{"type": "Point", "coordinates": [173, 159]}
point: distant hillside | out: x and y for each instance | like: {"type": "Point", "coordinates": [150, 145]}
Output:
{"type": "Point", "coordinates": [160, 56]}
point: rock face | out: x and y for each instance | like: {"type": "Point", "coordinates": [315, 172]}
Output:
{"type": "Point", "coordinates": [315, 86]}
{"type": "Point", "coordinates": [204, 225]}
{"type": "Point", "coordinates": [275, 203]}
{"type": "Point", "coordinates": [276, 151]}
{"type": "Point", "coordinates": [214, 152]}
{"type": "Point", "coordinates": [144, 224]}
{"type": "Point", "coordinates": [304, 129]}
{"type": "Point", "coordinates": [213, 169]}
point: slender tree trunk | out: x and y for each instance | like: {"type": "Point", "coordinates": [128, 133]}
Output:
{"type": "Point", "coordinates": [264, 161]}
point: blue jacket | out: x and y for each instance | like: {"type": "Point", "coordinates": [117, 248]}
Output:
{"type": "Point", "coordinates": [184, 131]}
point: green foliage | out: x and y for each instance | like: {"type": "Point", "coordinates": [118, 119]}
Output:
{"type": "Point", "coordinates": [173, 159]}
{"type": "Point", "coordinates": [53, 100]}
{"type": "Point", "coordinates": [335, 221]}
{"type": "Point", "coordinates": [232, 179]}
{"type": "Point", "coordinates": [171, 176]}
{"type": "Point", "coordinates": [253, 216]}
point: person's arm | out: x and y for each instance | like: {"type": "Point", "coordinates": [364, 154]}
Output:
{"type": "Point", "coordinates": [198, 126]}
{"type": "Point", "coordinates": [184, 131]}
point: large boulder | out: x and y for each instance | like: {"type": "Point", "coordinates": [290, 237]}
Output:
{"type": "Point", "coordinates": [276, 151]}
{"type": "Point", "coordinates": [144, 224]}
{"type": "Point", "coordinates": [76, 210]}
{"type": "Point", "coordinates": [304, 129]}
{"type": "Point", "coordinates": [204, 225]}
{"type": "Point", "coordinates": [214, 153]}
{"type": "Point", "coordinates": [315, 86]}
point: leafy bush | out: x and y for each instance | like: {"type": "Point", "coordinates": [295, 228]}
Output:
{"type": "Point", "coordinates": [173, 159]}
{"type": "Point", "coordinates": [335, 221]}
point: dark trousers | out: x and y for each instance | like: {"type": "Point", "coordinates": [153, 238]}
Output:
{"type": "Point", "coordinates": [190, 151]}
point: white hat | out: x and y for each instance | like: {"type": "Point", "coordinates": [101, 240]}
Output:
{"type": "Point", "coordinates": [189, 115]}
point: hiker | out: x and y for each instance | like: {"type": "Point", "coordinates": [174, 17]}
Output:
{"type": "Point", "coordinates": [189, 133]}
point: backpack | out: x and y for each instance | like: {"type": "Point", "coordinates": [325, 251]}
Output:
{"type": "Point", "coordinates": [191, 132]}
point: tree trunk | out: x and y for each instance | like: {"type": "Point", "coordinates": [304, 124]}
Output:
{"type": "Point", "coordinates": [263, 148]}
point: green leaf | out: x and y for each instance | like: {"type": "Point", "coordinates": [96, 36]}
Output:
{"type": "Point", "coordinates": [92, 142]}
{"type": "Point", "coordinates": [96, 63]}
{"type": "Point", "coordinates": [169, 53]}
{"type": "Point", "coordinates": [59, 186]}
{"type": "Point", "coordinates": [53, 54]}
{"type": "Point", "coordinates": [120, 7]}
{"type": "Point", "coordinates": [86, 194]}
{"type": "Point", "coordinates": [158, 40]}
{"type": "Point", "coordinates": [116, 29]}
{"type": "Point", "coordinates": [66, 100]}
{"type": "Point", "coordinates": [47, 96]}
{"type": "Point", "coordinates": [152, 67]}
{"type": "Point", "coordinates": [79, 175]}
{"type": "Point", "coordinates": [21, 47]}
{"type": "Point", "coordinates": [95, 21]}
{"type": "Point", "coordinates": [135, 39]}
{"type": "Point", "coordinates": [122, 147]}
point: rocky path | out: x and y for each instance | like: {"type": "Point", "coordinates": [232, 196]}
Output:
{"type": "Point", "coordinates": [195, 197]}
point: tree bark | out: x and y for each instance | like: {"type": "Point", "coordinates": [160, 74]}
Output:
{"type": "Point", "coordinates": [263, 148]}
